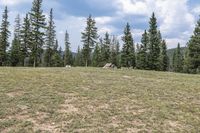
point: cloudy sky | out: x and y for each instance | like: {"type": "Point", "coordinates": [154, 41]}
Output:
{"type": "Point", "coordinates": [176, 18]}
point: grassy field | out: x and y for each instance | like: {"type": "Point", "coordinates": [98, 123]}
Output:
{"type": "Point", "coordinates": [96, 100]}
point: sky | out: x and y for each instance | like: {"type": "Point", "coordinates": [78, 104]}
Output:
{"type": "Point", "coordinates": [176, 18]}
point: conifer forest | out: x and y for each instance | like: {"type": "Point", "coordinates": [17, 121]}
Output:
{"type": "Point", "coordinates": [35, 44]}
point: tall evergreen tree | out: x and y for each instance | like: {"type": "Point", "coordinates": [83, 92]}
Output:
{"type": "Point", "coordinates": [164, 59]}
{"type": "Point", "coordinates": [114, 52]}
{"type": "Point", "coordinates": [128, 50]}
{"type": "Point", "coordinates": [105, 49]}
{"type": "Point", "coordinates": [16, 53]}
{"type": "Point", "coordinates": [89, 38]}
{"type": "Point", "coordinates": [38, 25]}
{"type": "Point", "coordinates": [68, 54]}
{"type": "Point", "coordinates": [173, 60]}
{"type": "Point", "coordinates": [193, 56]}
{"type": "Point", "coordinates": [154, 45]}
{"type": "Point", "coordinates": [142, 59]}
{"type": "Point", "coordinates": [26, 39]}
{"type": "Point", "coordinates": [78, 57]}
{"type": "Point", "coordinates": [96, 56]}
{"type": "Point", "coordinates": [50, 41]}
{"type": "Point", "coordinates": [4, 36]}
{"type": "Point", "coordinates": [57, 57]}
{"type": "Point", "coordinates": [178, 60]}
{"type": "Point", "coordinates": [118, 64]}
{"type": "Point", "coordinates": [79, 61]}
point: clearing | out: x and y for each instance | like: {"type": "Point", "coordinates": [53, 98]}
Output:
{"type": "Point", "coordinates": [97, 100]}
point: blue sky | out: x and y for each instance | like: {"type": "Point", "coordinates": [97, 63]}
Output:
{"type": "Point", "coordinates": [176, 18]}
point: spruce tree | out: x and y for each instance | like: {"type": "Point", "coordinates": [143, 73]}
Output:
{"type": "Point", "coordinates": [105, 49]}
{"type": "Point", "coordinates": [16, 53]}
{"type": "Point", "coordinates": [26, 39]}
{"type": "Point", "coordinates": [178, 60]}
{"type": "Point", "coordinates": [89, 38]}
{"type": "Point", "coordinates": [193, 56]}
{"type": "Point", "coordinates": [164, 59]}
{"type": "Point", "coordinates": [173, 60]}
{"type": "Point", "coordinates": [78, 57]}
{"type": "Point", "coordinates": [68, 54]}
{"type": "Point", "coordinates": [128, 50]}
{"type": "Point", "coordinates": [154, 45]}
{"type": "Point", "coordinates": [57, 57]}
{"type": "Point", "coordinates": [50, 41]}
{"type": "Point", "coordinates": [4, 36]}
{"type": "Point", "coordinates": [142, 59]}
{"type": "Point", "coordinates": [79, 61]}
{"type": "Point", "coordinates": [96, 56]}
{"type": "Point", "coordinates": [118, 63]}
{"type": "Point", "coordinates": [114, 52]}
{"type": "Point", "coordinates": [38, 25]}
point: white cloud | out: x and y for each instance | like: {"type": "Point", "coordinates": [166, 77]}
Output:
{"type": "Point", "coordinates": [13, 2]}
{"type": "Point", "coordinates": [173, 42]}
{"type": "Point", "coordinates": [104, 19]}
{"type": "Point", "coordinates": [133, 7]}
{"type": "Point", "coordinates": [75, 25]}
{"type": "Point", "coordinates": [174, 17]}
{"type": "Point", "coordinates": [196, 10]}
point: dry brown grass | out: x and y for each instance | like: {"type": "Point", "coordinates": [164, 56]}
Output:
{"type": "Point", "coordinates": [97, 100]}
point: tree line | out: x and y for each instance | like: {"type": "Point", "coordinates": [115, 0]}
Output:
{"type": "Point", "coordinates": [35, 44]}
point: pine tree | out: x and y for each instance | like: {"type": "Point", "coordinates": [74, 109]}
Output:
{"type": "Point", "coordinates": [57, 57]}
{"type": "Point", "coordinates": [142, 59]}
{"type": "Point", "coordinates": [114, 52]}
{"type": "Point", "coordinates": [50, 40]}
{"type": "Point", "coordinates": [105, 49]}
{"type": "Point", "coordinates": [96, 56]}
{"type": "Point", "coordinates": [178, 60]}
{"type": "Point", "coordinates": [193, 56]}
{"type": "Point", "coordinates": [4, 36]}
{"type": "Point", "coordinates": [128, 50]}
{"type": "Point", "coordinates": [164, 59]}
{"type": "Point", "coordinates": [89, 38]}
{"type": "Point", "coordinates": [68, 54]}
{"type": "Point", "coordinates": [154, 45]}
{"type": "Point", "coordinates": [26, 39]}
{"type": "Point", "coordinates": [173, 60]}
{"type": "Point", "coordinates": [118, 63]}
{"type": "Point", "coordinates": [16, 53]}
{"type": "Point", "coordinates": [79, 58]}
{"type": "Point", "coordinates": [38, 25]}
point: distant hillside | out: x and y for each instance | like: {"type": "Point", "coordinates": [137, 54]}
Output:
{"type": "Point", "coordinates": [170, 53]}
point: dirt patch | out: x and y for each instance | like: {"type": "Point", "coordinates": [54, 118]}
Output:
{"type": "Point", "coordinates": [173, 124]}
{"type": "Point", "coordinates": [127, 77]}
{"type": "Point", "coordinates": [132, 130]}
{"type": "Point", "coordinates": [104, 106]}
{"type": "Point", "coordinates": [115, 122]}
{"type": "Point", "coordinates": [15, 94]}
{"type": "Point", "coordinates": [68, 109]}
{"type": "Point", "coordinates": [35, 120]}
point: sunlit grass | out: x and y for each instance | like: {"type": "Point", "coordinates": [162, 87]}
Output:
{"type": "Point", "coordinates": [97, 100]}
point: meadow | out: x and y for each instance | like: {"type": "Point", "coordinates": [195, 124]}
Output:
{"type": "Point", "coordinates": [51, 100]}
